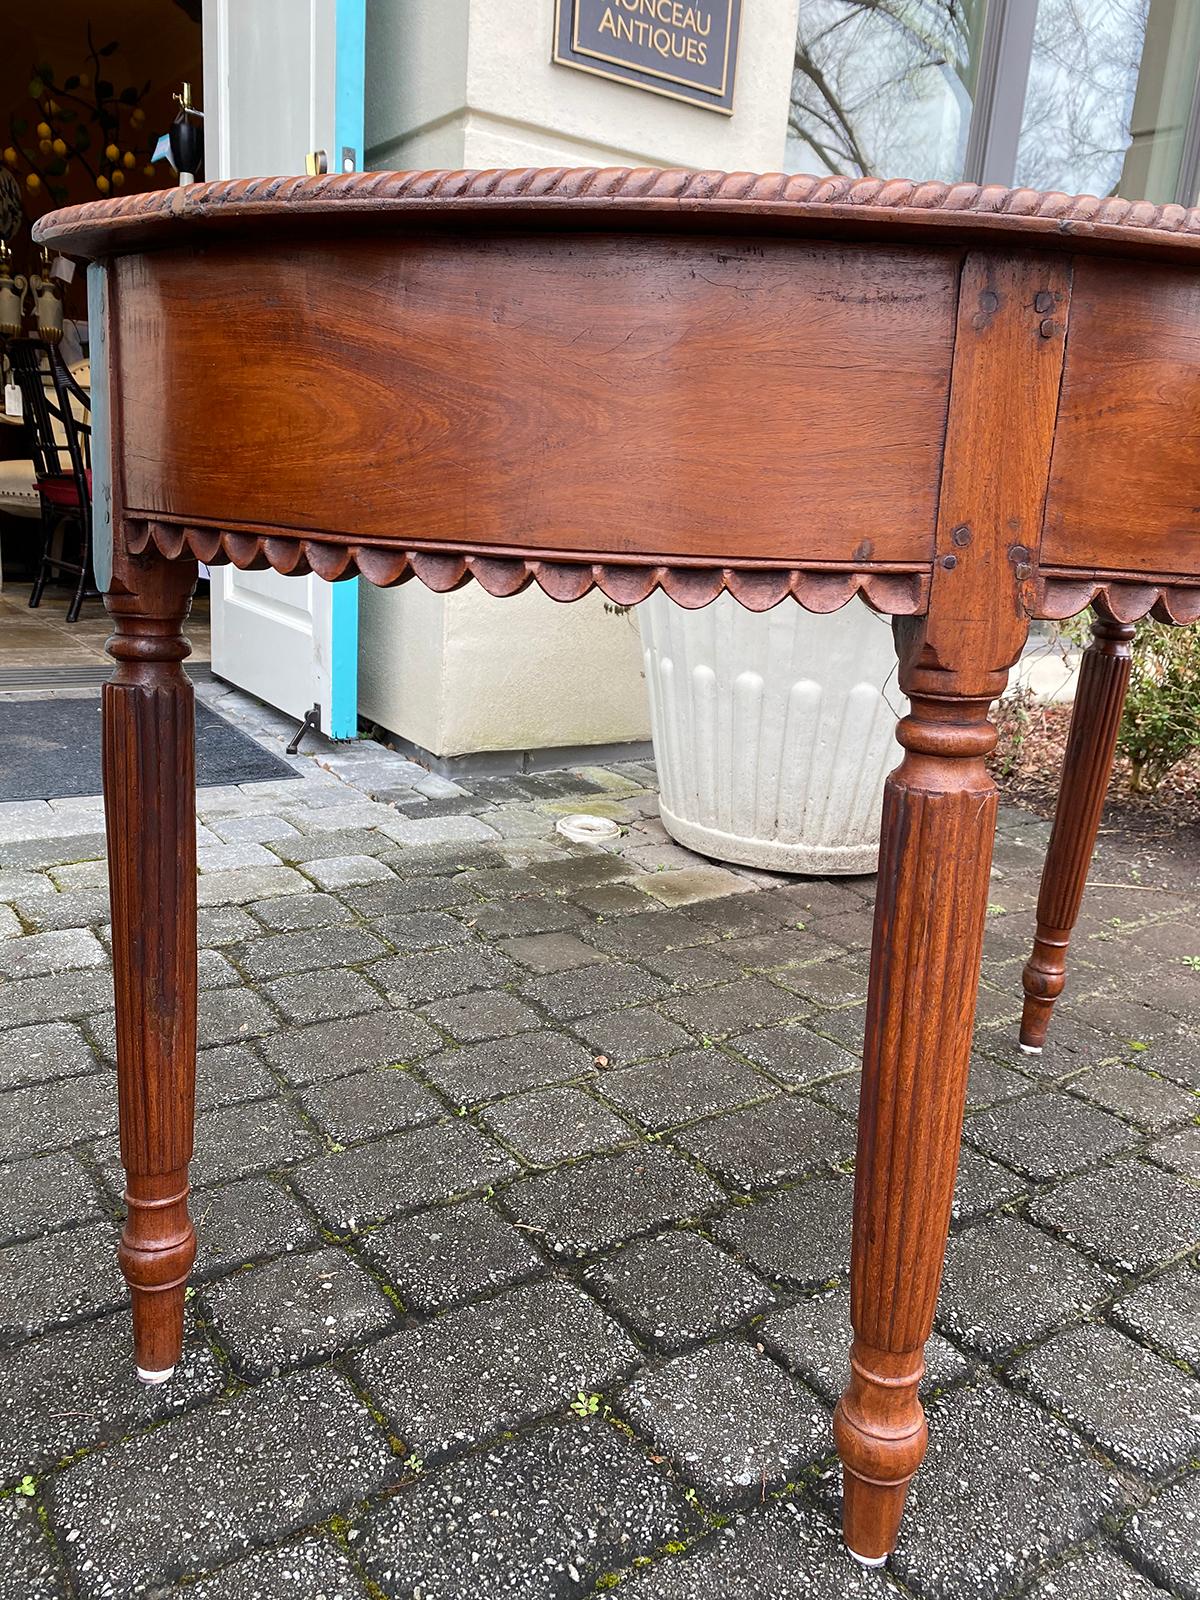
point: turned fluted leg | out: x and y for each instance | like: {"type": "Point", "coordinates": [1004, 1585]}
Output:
{"type": "Point", "coordinates": [1087, 766]}
{"type": "Point", "coordinates": [939, 818]}
{"type": "Point", "coordinates": [149, 792]}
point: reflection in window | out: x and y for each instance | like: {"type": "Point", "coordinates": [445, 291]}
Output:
{"type": "Point", "coordinates": [884, 86]}
{"type": "Point", "coordinates": [1109, 96]}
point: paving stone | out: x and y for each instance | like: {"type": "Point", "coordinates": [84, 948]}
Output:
{"type": "Point", "coordinates": [1153, 1103]}
{"type": "Point", "coordinates": [1017, 1135]}
{"type": "Point", "coordinates": [812, 1339]}
{"type": "Point", "coordinates": [217, 926]}
{"type": "Point", "coordinates": [690, 885]}
{"type": "Point", "coordinates": [331, 1049]}
{"type": "Point", "coordinates": [733, 1007]}
{"type": "Point", "coordinates": [242, 885]}
{"type": "Point", "coordinates": [438, 1258]}
{"type": "Point", "coordinates": [293, 913]}
{"type": "Point", "coordinates": [1180, 1152]}
{"type": "Point", "coordinates": [677, 1289]}
{"type": "Point", "coordinates": [40, 953]}
{"type": "Point", "coordinates": [47, 1116]}
{"type": "Point", "coordinates": [436, 974]}
{"type": "Point", "coordinates": [1164, 1538]}
{"type": "Point", "coordinates": [30, 1568]}
{"type": "Point", "coordinates": [538, 1518]}
{"type": "Point", "coordinates": [981, 1186]}
{"type": "Point", "coordinates": [473, 1373]}
{"type": "Point", "coordinates": [73, 908]}
{"type": "Point", "coordinates": [623, 1037]}
{"type": "Point", "coordinates": [1132, 1403]}
{"type": "Point", "coordinates": [486, 1014]}
{"type": "Point", "coordinates": [340, 872]}
{"type": "Point", "coordinates": [582, 871]}
{"type": "Point", "coordinates": [313, 1569]}
{"type": "Point", "coordinates": [1166, 1313]}
{"type": "Point", "coordinates": [746, 916]}
{"type": "Point", "coordinates": [422, 930]}
{"type": "Point", "coordinates": [244, 1221]}
{"type": "Point", "coordinates": [777, 1142]}
{"type": "Point", "coordinates": [44, 1193]}
{"type": "Point", "coordinates": [226, 857]}
{"type": "Point", "coordinates": [794, 1054]}
{"type": "Point", "coordinates": [772, 952]}
{"type": "Point", "coordinates": [1003, 1489]}
{"type": "Point", "coordinates": [989, 1083]}
{"type": "Point", "coordinates": [62, 996]}
{"type": "Point", "coordinates": [581, 1210]}
{"type": "Point", "coordinates": [256, 1467]}
{"type": "Point", "coordinates": [735, 1425]}
{"type": "Point", "coordinates": [43, 1050]}
{"type": "Point", "coordinates": [553, 1125]}
{"type": "Point", "coordinates": [784, 1552]}
{"type": "Point", "coordinates": [507, 1066]}
{"type": "Point", "coordinates": [236, 1141]}
{"type": "Point", "coordinates": [229, 1073]}
{"type": "Point", "coordinates": [568, 995]}
{"type": "Point", "coordinates": [800, 1238]}
{"type": "Point", "coordinates": [307, 950]}
{"type": "Point", "coordinates": [77, 1388]}
{"type": "Point", "coordinates": [213, 970]}
{"type": "Point", "coordinates": [635, 938]}
{"type": "Point", "coordinates": [50, 841]}
{"type": "Point", "coordinates": [337, 993]}
{"type": "Point", "coordinates": [253, 829]}
{"type": "Point", "coordinates": [226, 1016]}
{"type": "Point", "coordinates": [1006, 1284]}
{"type": "Point", "coordinates": [1130, 1215]}
{"type": "Point", "coordinates": [846, 1026]}
{"type": "Point", "coordinates": [296, 1310]}
{"type": "Point", "coordinates": [437, 830]}
{"type": "Point", "coordinates": [530, 914]}
{"type": "Point", "coordinates": [697, 968]}
{"type": "Point", "coordinates": [827, 983]}
{"type": "Point", "coordinates": [1095, 1574]}
{"type": "Point", "coordinates": [692, 1083]}
{"type": "Point", "coordinates": [364, 1105]}
{"type": "Point", "coordinates": [1174, 1057]}
{"type": "Point", "coordinates": [550, 952]}
{"type": "Point", "coordinates": [402, 1173]}
{"type": "Point", "coordinates": [58, 1278]}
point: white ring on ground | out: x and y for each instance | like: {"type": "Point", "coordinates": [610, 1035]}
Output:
{"type": "Point", "coordinates": [1031, 1049]}
{"type": "Point", "coordinates": [867, 1561]}
{"type": "Point", "coordinates": [583, 828]}
{"type": "Point", "coordinates": [152, 1378]}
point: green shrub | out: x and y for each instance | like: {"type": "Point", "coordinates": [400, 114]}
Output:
{"type": "Point", "coordinates": [1161, 724]}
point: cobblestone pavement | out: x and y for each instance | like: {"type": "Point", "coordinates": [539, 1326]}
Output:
{"type": "Point", "coordinates": [523, 1197]}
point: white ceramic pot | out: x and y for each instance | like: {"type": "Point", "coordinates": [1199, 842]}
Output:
{"type": "Point", "coordinates": [773, 732]}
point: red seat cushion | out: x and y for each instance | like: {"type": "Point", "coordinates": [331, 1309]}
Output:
{"type": "Point", "coordinates": [60, 490]}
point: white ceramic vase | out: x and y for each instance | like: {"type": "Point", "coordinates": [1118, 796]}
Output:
{"type": "Point", "coordinates": [773, 732]}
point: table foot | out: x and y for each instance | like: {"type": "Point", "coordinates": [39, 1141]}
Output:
{"type": "Point", "coordinates": [153, 1379]}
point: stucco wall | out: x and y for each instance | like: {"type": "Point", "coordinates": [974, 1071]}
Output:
{"type": "Point", "coordinates": [470, 83]}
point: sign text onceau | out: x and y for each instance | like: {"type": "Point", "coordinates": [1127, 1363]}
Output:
{"type": "Point", "coordinates": [683, 48]}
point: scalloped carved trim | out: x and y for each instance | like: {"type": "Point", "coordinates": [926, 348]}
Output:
{"type": "Point", "coordinates": [535, 187]}
{"type": "Point", "coordinates": [899, 594]}
{"type": "Point", "coordinates": [1061, 595]}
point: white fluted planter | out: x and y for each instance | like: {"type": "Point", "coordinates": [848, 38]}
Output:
{"type": "Point", "coordinates": [773, 732]}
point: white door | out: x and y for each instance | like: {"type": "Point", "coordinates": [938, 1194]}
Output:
{"type": "Point", "coordinates": [283, 78]}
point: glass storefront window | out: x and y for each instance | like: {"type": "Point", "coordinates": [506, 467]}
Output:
{"type": "Point", "coordinates": [1109, 96]}
{"type": "Point", "coordinates": [884, 87]}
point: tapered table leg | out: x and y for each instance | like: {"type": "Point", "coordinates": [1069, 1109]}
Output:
{"type": "Point", "coordinates": [938, 823]}
{"type": "Point", "coordinates": [149, 792]}
{"type": "Point", "coordinates": [1087, 766]}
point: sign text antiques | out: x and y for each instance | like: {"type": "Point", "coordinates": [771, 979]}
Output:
{"type": "Point", "coordinates": [683, 48]}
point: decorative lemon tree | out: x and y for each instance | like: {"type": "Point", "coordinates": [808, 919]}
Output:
{"type": "Point", "coordinates": [79, 122]}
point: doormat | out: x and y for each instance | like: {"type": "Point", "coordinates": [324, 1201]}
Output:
{"type": "Point", "coordinates": [50, 750]}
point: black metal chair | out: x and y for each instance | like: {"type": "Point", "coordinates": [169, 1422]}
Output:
{"type": "Point", "coordinates": [55, 407]}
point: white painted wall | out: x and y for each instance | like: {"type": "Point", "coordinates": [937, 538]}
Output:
{"type": "Point", "coordinates": [470, 83]}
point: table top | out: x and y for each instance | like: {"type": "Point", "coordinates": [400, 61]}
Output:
{"type": "Point", "coordinates": [566, 197]}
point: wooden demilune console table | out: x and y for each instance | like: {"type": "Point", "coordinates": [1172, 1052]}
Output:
{"type": "Point", "coordinates": [971, 407]}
